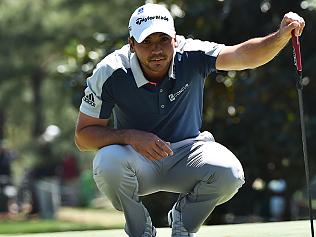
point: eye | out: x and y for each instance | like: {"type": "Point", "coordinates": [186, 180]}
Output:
{"type": "Point", "coordinates": [146, 41]}
{"type": "Point", "coordinates": [166, 39]}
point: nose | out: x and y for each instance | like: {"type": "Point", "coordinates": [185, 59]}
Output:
{"type": "Point", "coordinates": [157, 49]}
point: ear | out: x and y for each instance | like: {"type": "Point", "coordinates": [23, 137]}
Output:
{"type": "Point", "coordinates": [175, 41]}
{"type": "Point", "coordinates": [131, 44]}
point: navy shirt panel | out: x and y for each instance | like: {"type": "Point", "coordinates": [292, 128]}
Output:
{"type": "Point", "coordinates": [172, 109]}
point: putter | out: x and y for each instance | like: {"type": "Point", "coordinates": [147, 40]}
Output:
{"type": "Point", "coordinates": [299, 86]}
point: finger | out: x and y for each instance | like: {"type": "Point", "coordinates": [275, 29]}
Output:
{"type": "Point", "coordinates": [164, 146]}
{"type": "Point", "coordinates": [297, 29]}
{"type": "Point", "coordinates": [160, 152]}
{"type": "Point", "coordinates": [145, 154]}
{"type": "Point", "coordinates": [149, 156]}
{"type": "Point", "coordinates": [293, 26]}
{"type": "Point", "coordinates": [302, 25]}
{"type": "Point", "coordinates": [293, 21]}
{"type": "Point", "coordinates": [153, 155]}
{"type": "Point", "coordinates": [289, 17]}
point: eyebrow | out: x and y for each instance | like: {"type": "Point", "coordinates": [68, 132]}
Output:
{"type": "Point", "coordinates": [164, 34]}
{"type": "Point", "coordinates": [161, 34]}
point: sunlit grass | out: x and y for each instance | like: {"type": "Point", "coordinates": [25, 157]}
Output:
{"type": "Point", "coordinates": [40, 226]}
{"type": "Point", "coordinates": [275, 229]}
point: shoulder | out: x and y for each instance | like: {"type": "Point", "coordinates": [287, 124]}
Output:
{"type": "Point", "coordinates": [193, 45]}
{"type": "Point", "coordinates": [118, 60]}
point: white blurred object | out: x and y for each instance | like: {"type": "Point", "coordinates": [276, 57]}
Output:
{"type": "Point", "coordinates": [51, 132]}
{"type": "Point", "coordinates": [10, 191]}
{"type": "Point", "coordinates": [277, 185]}
{"type": "Point", "coordinates": [277, 200]}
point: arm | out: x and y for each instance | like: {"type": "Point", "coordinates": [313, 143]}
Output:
{"type": "Point", "coordinates": [258, 51]}
{"type": "Point", "coordinates": [93, 133]}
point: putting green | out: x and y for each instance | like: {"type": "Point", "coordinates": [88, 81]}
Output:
{"type": "Point", "coordinates": [274, 229]}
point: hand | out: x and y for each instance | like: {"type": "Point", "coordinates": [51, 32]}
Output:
{"type": "Point", "coordinates": [149, 145]}
{"type": "Point", "coordinates": [292, 21]}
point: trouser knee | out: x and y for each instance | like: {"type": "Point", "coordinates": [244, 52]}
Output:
{"type": "Point", "coordinates": [228, 182]}
{"type": "Point", "coordinates": [108, 164]}
{"type": "Point", "coordinates": [112, 174]}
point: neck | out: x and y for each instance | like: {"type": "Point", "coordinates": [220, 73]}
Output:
{"type": "Point", "coordinates": [155, 77]}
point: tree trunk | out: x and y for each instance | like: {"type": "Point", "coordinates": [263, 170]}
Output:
{"type": "Point", "coordinates": [37, 81]}
{"type": "Point", "coordinates": [2, 121]}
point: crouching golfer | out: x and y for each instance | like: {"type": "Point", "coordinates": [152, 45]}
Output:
{"type": "Point", "coordinates": [154, 88]}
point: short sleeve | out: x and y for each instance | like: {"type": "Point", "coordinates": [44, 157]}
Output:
{"type": "Point", "coordinates": [97, 101]}
{"type": "Point", "coordinates": [202, 54]}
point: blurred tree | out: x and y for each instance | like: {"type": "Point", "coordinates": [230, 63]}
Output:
{"type": "Point", "coordinates": [39, 42]}
{"type": "Point", "coordinates": [49, 47]}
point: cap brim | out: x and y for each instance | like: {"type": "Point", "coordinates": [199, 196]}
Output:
{"type": "Point", "coordinates": [152, 30]}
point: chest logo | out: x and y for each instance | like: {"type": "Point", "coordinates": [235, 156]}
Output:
{"type": "Point", "coordinates": [173, 96]}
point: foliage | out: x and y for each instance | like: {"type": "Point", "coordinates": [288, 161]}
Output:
{"type": "Point", "coordinates": [41, 42]}
{"type": "Point", "coordinates": [48, 48]}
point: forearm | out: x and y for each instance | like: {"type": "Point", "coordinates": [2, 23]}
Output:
{"type": "Point", "coordinates": [94, 137]}
{"type": "Point", "coordinates": [145, 143]}
{"type": "Point", "coordinates": [258, 51]}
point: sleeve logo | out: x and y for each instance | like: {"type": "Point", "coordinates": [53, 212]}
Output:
{"type": "Point", "coordinates": [89, 99]}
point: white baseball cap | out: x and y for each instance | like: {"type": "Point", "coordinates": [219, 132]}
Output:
{"type": "Point", "coordinates": [150, 18]}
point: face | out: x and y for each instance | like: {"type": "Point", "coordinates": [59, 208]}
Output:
{"type": "Point", "coordinates": [154, 54]}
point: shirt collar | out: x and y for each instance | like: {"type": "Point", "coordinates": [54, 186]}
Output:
{"type": "Point", "coordinates": [138, 73]}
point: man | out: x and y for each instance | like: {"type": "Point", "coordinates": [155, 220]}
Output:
{"type": "Point", "coordinates": [154, 87]}
{"type": "Point", "coordinates": [5, 162]}
{"type": "Point", "coordinates": [5, 177]}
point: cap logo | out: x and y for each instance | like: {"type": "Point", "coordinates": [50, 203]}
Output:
{"type": "Point", "coordinates": [140, 20]}
{"type": "Point", "coordinates": [140, 10]}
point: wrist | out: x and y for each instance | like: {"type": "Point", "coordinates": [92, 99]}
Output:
{"type": "Point", "coordinates": [283, 35]}
{"type": "Point", "coordinates": [127, 136]}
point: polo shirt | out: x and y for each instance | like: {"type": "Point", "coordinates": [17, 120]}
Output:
{"type": "Point", "coordinates": [172, 109]}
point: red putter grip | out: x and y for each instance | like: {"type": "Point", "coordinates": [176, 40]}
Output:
{"type": "Point", "coordinates": [297, 52]}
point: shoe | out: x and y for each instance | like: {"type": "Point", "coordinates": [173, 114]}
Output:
{"type": "Point", "coordinates": [150, 230]}
{"type": "Point", "coordinates": [152, 233]}
{"type": "Point", "coordinates": [175, 222]}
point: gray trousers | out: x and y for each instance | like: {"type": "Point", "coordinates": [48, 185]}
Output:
{"type": "Point", "coordinates": [202, 171]}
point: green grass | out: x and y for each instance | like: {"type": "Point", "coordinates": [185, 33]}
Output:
{"type": "Point", "coordinates": [40, 226]}
{"type": "Point", "coordinates": [276, 229]}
